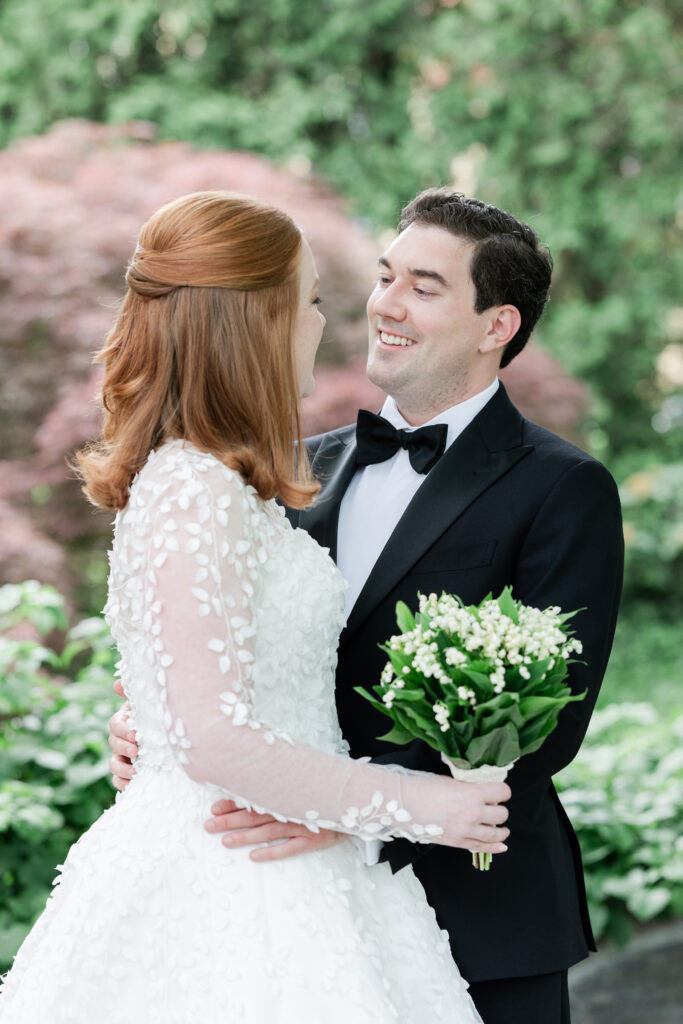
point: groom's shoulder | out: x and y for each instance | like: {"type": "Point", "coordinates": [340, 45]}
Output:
{"type": "Point", "coordinates": [549, 456]}
{"type": "Point", "coordinates": [341, 435]}
{"type": "Point", "coordinates": [555, 456]}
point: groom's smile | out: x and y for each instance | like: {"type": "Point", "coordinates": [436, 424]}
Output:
{"type": "Point", "coordinates": [389, 339]}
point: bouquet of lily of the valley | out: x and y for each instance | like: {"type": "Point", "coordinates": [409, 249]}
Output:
{"type": "Point", "coordinates": [482, 684]}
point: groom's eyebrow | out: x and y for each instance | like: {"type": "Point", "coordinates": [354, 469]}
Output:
{"type": "Point", "coordinates": [433, 275]}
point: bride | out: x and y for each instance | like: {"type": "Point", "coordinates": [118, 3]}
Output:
{"type": "Point", "coordinates": [226, 620]}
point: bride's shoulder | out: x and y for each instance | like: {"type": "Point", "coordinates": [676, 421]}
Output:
{"type": "Point", "coordinates": [180, 474]}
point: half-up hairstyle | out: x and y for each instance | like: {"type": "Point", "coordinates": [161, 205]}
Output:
{"type": "Point", "coordinates": [203, 349]}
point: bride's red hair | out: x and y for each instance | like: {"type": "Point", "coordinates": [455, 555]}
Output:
{"type": "Point", "coordinates": [203, 349]}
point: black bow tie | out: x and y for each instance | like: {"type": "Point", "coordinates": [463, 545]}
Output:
{"type": "Point", "coordinates": [377, 440]}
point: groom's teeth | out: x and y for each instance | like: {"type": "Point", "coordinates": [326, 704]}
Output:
{"type": "Point", "coordinates": [394, 339]}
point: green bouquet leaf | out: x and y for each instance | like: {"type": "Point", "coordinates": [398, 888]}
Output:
{"type": "Point", "coordinates": [482, 684]}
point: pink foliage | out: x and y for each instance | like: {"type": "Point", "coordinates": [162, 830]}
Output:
{"type": "Point", "coordinates": [27, 552]}
{"type": "Point", "coordinates": [539, 386]}
{"type": "Point", "coordinates": [73, 202]}
{"type": "Point", "coordinates": [340, 391]}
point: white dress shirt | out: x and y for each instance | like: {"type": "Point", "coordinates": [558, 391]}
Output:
{"type": "Point", "coordinates": [372, 505]}
{"type": "Point", "coordinates": [379, 494]}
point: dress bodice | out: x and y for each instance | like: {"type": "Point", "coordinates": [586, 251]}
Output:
{"type": "Point", "coordinates": [297, 604]}
{"type": "Point", "coordinates": [227, 621]}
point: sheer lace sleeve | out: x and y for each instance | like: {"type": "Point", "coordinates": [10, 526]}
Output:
{"type": "Point", "coordinates": [207, 547]}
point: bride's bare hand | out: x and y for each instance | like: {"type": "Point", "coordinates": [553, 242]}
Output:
{"type": "Point", "coordinates": [472, 816]}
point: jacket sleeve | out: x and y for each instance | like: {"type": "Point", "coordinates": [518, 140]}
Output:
{"type": "Point", "coordinates": [573, 556]}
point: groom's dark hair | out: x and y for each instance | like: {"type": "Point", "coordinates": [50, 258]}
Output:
{"type": "Point", "coordinates": [509, 264]}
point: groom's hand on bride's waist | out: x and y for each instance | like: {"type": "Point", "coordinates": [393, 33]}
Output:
{"type": "Point", "coordinates": [122, 743]}
{"type": "Point", "coordinates": [240, 827]}
{"type": "Point", "coordinates": [247, 828]}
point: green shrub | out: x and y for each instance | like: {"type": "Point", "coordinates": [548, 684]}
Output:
{"type": "Point", "coordinates": [624, 795]}
{"type": "Point", "coordinates": [652, 500]}
{"type": "Point", "coordinates": [647, 634]}
{"type": "Point", "coordinates": [54, 708]}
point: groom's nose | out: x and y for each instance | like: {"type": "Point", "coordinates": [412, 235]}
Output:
{"type": "Point", "coordinates": [388, 303]}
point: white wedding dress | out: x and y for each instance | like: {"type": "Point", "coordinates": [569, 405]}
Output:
{"type": "Point", "coordinates": [227, 620]}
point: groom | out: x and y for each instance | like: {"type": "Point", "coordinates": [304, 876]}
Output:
{"type": "Point", "coordinates": [482, 500]}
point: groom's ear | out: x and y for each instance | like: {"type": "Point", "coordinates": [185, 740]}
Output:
{"type": "Point", "coordinates": [504, 322]}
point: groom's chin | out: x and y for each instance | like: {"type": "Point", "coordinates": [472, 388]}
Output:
{"type": "Point", "coordinates": [383, 376]}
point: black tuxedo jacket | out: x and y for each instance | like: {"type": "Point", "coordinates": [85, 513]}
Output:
{"type": "Point", "coordinates": [508, 503]}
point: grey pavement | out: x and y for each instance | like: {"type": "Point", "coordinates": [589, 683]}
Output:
{"type": "Point", "coordinates": [642, 984]}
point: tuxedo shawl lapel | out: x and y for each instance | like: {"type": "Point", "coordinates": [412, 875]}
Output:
{"type": "Point", "coordinates": [485, 450]}
{"type": "Point", "coordinates": [333, 465]}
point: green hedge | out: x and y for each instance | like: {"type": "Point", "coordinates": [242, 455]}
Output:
{"type": "Point", "coordinates": [624, 795]}
{"type": "Point", "coordinates": [652, 500]}
{"type": "Point", "coordinates": [53, 746]}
